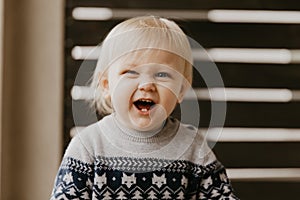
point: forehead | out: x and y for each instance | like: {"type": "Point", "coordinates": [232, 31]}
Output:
{"type": "Point", "coordinates": [146, 56]}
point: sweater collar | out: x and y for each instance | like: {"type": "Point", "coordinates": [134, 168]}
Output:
{"type": "Point", "coordinates": [135, 134]}
{"type": "Point", "coordinates": [170, 142]}
{"type": "Point", "coordinates": [117, 133]}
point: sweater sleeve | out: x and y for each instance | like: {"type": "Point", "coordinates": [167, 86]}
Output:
{"type": "Point", "coordinates": [74, 179]}
{"type": "Point", "coordinates": [215, 184]}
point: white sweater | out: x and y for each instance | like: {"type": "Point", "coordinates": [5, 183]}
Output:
{"type": "Point", "coordinates": [108, 161]}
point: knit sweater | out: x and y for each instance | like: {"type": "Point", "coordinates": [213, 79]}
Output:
{"type": "Point", "coordinates": [109, 161]}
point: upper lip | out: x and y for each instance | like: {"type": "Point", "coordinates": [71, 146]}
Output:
{"type": "Point", "coordinates": [145, 99]}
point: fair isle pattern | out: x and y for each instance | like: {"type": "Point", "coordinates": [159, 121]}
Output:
{"type": "Point", "coordinates": [140, 165]}
{"type": "Point", "coordinates": [74, 180]}
{"type": "Point", "coordinates": [77, 166]}
{"type": "Point", "coordinates": [105, 179]}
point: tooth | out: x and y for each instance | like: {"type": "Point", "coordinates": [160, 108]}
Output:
{"type": "Point", "coordinates": [144, 110]}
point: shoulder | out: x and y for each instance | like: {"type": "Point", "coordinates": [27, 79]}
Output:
{"type": "Point", "coordinates": [199, 151]}
{"type": "Point", "coordinates": [85, 142]}
{"type": "Point", "coordinates": [88, 132]}
{"type": "Point", "coordinates": [192, 131]}
{"type": "Point", "coordinates": [189, 129]}
{"type": "Point", "coordinates": [94, 133]}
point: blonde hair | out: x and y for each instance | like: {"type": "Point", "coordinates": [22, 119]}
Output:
{"type": "Point", "coordinates": [139, 33]}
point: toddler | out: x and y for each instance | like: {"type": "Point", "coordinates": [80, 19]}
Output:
{"type": "Point", "coordinates": [138, 151]}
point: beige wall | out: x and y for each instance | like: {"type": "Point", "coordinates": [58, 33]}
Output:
{"type": "Point", "coordinates": [32, 97]}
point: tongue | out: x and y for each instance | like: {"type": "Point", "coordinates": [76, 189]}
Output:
{"type": "Point", "coordinates": [142, 106]}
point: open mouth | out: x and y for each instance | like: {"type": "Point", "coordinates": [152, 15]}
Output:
{"type": "Point", "coordinates": [144, 105]}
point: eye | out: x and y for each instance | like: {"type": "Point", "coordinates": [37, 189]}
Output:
{"type": "Point", "coordinates": [163, 75]}
{"type": "Point", "coordinates": [131, 72]}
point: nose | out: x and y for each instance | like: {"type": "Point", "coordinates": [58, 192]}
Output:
{"type": "Point", "coordinates": [147, 86]}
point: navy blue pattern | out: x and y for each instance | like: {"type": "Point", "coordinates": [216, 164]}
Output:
{"type": "Point", "coordinates": [115, 178]}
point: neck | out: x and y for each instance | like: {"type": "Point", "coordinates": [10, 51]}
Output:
{"type": "Point", "coordinates": [137, 133]}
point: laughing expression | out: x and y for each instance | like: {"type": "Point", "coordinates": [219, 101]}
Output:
{"type": "Point", "coordinates": [145, 87]}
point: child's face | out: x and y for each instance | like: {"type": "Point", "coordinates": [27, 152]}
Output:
{"type": "Point", "coordinates": [145, 87]}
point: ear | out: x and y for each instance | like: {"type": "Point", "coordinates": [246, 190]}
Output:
{"type": "Point", "coordinates": [103, 83]}
{"type": "Point", "coordinates": [184, 88]}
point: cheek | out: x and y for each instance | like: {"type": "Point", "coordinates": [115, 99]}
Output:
{"type": "Point", "coordinates": [172, 89]}
{"type": "Point", "coordinates": [122, 90]}
{"type": "Point", "coordinates": [168, 99]}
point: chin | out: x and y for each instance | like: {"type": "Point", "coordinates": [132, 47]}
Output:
{"type": "Point", "coordinates": [144, 125]}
